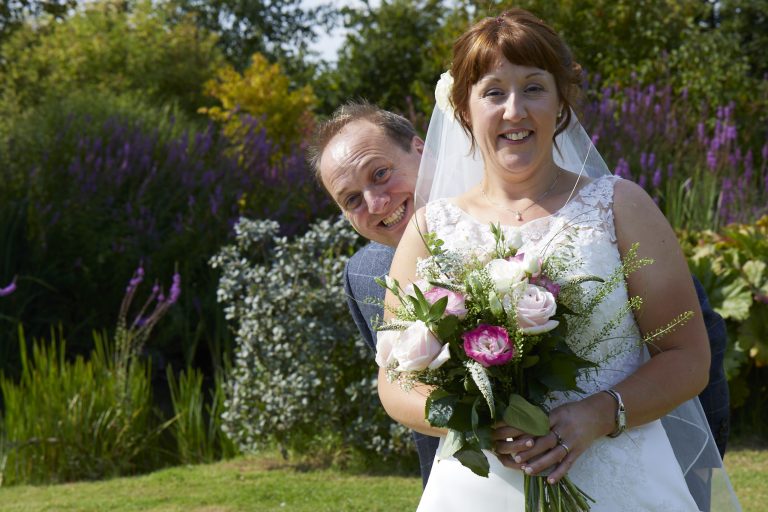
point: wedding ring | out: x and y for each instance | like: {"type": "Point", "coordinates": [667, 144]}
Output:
{"type": "Point", "coordinates": [557, 436]}
{"type": "Point", "coordinates": [567, 450]}
{"type": "Point", "coordinates": [509, 439]}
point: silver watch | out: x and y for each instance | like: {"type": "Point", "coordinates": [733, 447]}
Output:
{"type": "Point", "coordinates": [621, 414]}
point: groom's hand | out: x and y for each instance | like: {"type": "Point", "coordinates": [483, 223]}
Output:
{"type": "Point", "coordinates": [508, 442]}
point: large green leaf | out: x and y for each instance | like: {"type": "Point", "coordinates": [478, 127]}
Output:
{"type": "Point", "coordinates": [525, 416]}
{"type": "Point", "coordinates": [474, 459]}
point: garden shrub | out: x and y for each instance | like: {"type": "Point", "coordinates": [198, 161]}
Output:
{"type": "Point", "coordinates": [300, 369]}
{"type": "Point", "coordinates": [732, 266]}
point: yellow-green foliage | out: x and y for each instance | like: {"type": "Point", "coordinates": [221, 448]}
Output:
{"type": "Point", "coordinates": [263, 92]}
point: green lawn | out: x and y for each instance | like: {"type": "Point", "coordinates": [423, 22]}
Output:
{"type": "Point", "coordinates": [262, 484]}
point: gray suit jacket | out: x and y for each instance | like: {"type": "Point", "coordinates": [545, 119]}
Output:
{"type": "Point", "coordinates": [364, 297]}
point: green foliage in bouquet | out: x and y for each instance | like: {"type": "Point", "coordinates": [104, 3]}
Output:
{"type": "Point", "coordinates": [300, 374]}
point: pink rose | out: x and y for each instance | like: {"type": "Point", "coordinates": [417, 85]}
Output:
{"type": "Point", "coordinates": [455, 307]}
{"type": "Point", "coordinates": [416, 347]}
{"type": "Point", "coordinates": [535, 309]}
{"type": "Point", "coordinates": [488, 345]}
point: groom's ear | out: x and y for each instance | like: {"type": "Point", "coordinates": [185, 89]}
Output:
{"type": "Point", "coordinates": [418, 144]}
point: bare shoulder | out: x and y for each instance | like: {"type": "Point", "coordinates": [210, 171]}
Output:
{"type": "Point", "coordinates": [638, 219]}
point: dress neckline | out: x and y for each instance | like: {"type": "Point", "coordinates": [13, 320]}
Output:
{"type": "Point", "coordinates": [556, 213]}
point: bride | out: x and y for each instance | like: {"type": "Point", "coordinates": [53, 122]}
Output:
{"type": "Point", "coordinates": [511, 101]}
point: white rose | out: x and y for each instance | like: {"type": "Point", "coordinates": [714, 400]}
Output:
{"type": "Point", "coordinates": [385, 342]}
{"type": "Point", "coordinates": [443, 92]}
{"type": "Point", "coordinates": [422, 285]}
{"type": "Point", "coordinates": [416, 347]}
{"type": "Point", "coordinates": [535, 309]}
{"type": "Point", "coordinates": [531, 264]}
{"type": "Point", "coordinates": [505, 274]}
{"type": "Point", "coordinates": [514, 238]}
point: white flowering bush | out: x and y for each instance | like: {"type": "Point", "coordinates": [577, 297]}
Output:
{"type": "Point", "coordinates": [300, 369]}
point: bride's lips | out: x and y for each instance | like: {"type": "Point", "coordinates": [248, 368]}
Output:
{"type": "Point", "coordinates": [516, 136]}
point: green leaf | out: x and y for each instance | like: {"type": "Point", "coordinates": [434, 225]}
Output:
{"type": "Point", "coordinates": [525, 416]}
{"type": "Point", "coordinates": [474, 459]}
{"type": "Point", "coordinates": [454, 441]}
{"type": "Point", "coordinates": [440, 407]}
{"type": "Point", "coordinates": [437, 309]}
{"type": "Point", "coordinates": [755, 272]}
{"type": "Point", "coordinates": [529, 361]}
{"type": "Point", "coordinates": [447, 327]}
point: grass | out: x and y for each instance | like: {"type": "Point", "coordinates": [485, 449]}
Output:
{"type": "Point", "coordinates": [266, 484]}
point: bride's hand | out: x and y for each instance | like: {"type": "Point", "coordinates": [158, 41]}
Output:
{"type": "Point", "coordinates": [573, 428]}
{"type": "Point", "coordinates": [508, 441]}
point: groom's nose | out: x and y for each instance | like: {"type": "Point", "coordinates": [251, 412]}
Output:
{"type": "Point", "coordinates": [376, 200]}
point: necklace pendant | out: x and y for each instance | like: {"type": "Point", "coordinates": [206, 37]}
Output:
{"type": "Point", "coordinates": [519, 216]}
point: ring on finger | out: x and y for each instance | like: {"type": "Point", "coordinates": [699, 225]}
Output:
{"type": "Point", "coordinates": [557, 435]}
{"type": "Point", "coordinates": [567, 450]}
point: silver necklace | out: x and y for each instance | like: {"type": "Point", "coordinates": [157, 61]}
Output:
{"type": "Point", "coordinates": [519, 213]}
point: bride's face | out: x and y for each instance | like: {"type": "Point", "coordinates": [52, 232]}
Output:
{"type": "Point", "coordinates": [513, 110]}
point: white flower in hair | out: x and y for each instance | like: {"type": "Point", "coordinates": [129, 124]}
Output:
{"type": "Point", "coordinates": [443, 92]}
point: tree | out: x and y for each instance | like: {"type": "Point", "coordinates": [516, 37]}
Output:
{"type": "Point", "coordinates": [387, 51]}
{"type": "Point", "coordinates": [114, 46]}
{"type": "Point", "coordinates": [14, 12]}
{"type": "Point", "coordinates": [279, 29]}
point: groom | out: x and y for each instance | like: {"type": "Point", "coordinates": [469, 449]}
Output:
{"type": "Point", "coordinates": [368, 160]}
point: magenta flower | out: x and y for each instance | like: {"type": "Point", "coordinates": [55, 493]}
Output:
{"type": "Point", "coordinates": [456, 305]}
{"type": "Point", "coordinates": [545, 282]}
{"type": "Point", "coordinates": [488, 345]}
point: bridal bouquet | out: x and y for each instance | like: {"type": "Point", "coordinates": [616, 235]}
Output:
{"type": "Point", "coordinates": [487, 330]}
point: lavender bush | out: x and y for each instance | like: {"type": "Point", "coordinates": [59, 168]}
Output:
{"type": "Point", "coordinates": [99, 183]}
{"type": "Point", "coordinates": [702, 168]}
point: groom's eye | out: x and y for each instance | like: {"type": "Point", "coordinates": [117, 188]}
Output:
{"type": "Point", "coordinates": [381, 174]}
{"type": "Point", "coordinates": [352, 202]}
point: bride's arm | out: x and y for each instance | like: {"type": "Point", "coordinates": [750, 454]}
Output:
{"type": "Point", "coordinates": [406, 407]}
{"type": "Point", "coordinates": [679, 366]}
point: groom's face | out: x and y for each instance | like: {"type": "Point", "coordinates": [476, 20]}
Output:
{"type": "Point", "coordinates": [372, 179]}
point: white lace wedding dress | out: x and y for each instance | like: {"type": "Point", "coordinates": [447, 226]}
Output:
{"type": "Point", "coordinates": [636, 471]}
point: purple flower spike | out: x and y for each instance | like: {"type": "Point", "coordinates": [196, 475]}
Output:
{"type": "Point", "coordinates": [173, 295]}
{"type": "Point", "coordinates": [656, 181]}
{"type": "Point", "coordinates": [8, 289]}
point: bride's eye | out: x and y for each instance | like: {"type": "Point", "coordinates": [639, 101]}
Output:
{"type": "Point", "coordinates": [534, 88]}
